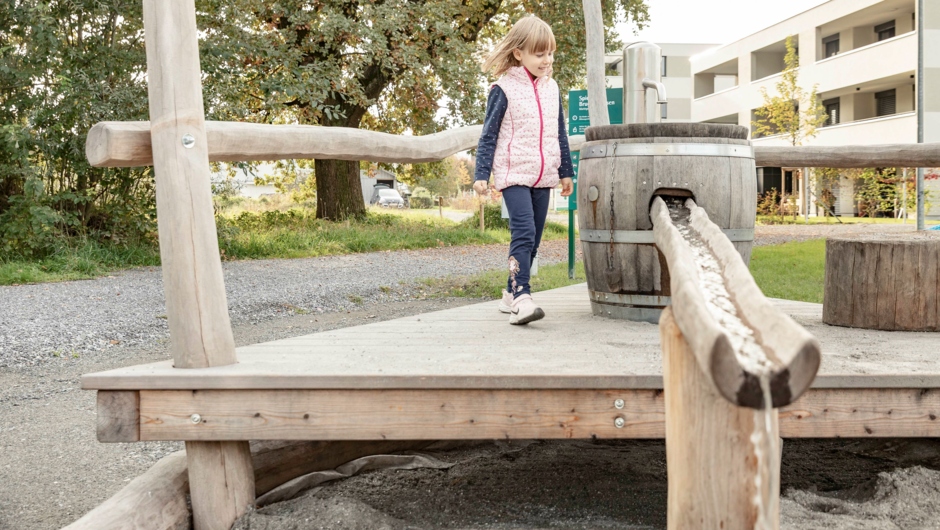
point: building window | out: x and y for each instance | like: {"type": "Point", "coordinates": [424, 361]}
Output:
{"type": "Point", "coordinates": [831, 45]}
{"type": "Point", "coordinates": [832, 112]}
{"type": "Point", "coordinates": [886, 103]}
{"type": "Point", "coordinates": [662, 69]}
{"type": "Point", "coordinates": [662, 111]}
{"type": "Point", "coordinates": [885, 31]}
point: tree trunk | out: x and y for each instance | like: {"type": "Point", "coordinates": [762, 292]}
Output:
{"type": "Point", "coordinates": [339, 191]}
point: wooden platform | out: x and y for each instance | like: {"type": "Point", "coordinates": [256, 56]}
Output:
{"type": "Point", "coordinates": [465, 373]}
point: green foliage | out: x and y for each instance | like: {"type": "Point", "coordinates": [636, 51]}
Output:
{"type": "Point", "coordinates": [421, 198]}
{"type": "Point", "coordinates": [490, 284]}
{"type": "Point", "coordinates": [793, 112]}
{"type": "Point", "coordinates": [793, 271]}
{"type": "Point", "coordinates": [775, 208]}
{"type": "Point", "coordinates": [76, 259]}
{"type": "Point", "coordinates": [493, 220]}
{"type": "Point", "coordinates": [65, 65]}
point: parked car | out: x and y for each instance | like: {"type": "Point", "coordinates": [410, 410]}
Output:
{"type": "Point", "coordinates": [387, 197]}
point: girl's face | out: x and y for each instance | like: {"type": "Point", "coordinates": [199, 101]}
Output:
{"type": "Point", "coordinates": [539, 64]}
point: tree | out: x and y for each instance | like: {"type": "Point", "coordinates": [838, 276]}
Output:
{"type": "Point", "coordinates": [793, 112]}
{"type": "Point", "coordinates": [383, 65]}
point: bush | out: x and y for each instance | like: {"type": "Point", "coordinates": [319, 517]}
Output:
{"type": "Point", "coordinates": [30, 227]}
{"type": "Point", "coordinates": [421, 198]}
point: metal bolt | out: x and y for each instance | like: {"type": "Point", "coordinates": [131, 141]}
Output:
{"type": "Point", "coordinates": [196, 419]}
{"type": "Point", "coordinates": [618, 404]}
{"type": "Point", "coordinates": [619, 423]}
{"type": "Point", "coordinates": [189, 141]}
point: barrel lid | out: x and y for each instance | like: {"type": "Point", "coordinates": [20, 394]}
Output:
{"type": "Point", "coordinates": [666, 130]}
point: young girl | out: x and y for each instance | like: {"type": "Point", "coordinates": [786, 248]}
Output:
{"type": "Point", "coordinates": [525, 147]}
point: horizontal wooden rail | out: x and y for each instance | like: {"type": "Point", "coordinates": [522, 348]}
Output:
{"type": "Point", "coordinates": [127, 144]}
{"type": "Point", "coordinates": [849, 156]}
{"type": "Point", "coordinates": [794, 353]}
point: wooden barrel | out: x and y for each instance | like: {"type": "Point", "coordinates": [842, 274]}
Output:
{"type": "Point", "coordinates": [888, 283]}
{"type": "Point", "coordinates": [622, 167]}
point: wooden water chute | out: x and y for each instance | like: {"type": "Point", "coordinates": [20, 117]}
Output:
{"type": "Point", "coordinates": [622, 168]}
{"type": "Point", "coordinates": [726, 350]}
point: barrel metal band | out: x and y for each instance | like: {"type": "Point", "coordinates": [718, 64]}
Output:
{"type": "Point", "coordinates": [645, 237]}
{"type": "Point", "coordinates": [643, 300]}
{"type": "Point", "coordinates": [725, 150]}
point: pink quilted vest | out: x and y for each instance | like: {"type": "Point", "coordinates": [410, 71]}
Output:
{"type": "Point", "coordinates": [527, 149]}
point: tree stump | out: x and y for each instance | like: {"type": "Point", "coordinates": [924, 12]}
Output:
{"type": "Point", "coordinates": [890, 284]}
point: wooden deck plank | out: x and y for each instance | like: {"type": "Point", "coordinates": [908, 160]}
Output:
{"type": "Point", "coordinates": [487, 414]}
{"type": "Point", "coordinates": [474, 347]}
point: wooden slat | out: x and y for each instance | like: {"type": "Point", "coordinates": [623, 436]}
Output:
{"type": "Point", "coordinates": [222, 482]}
{"type": "Point", "coordinates": [128, 144]}
{"type": "Point", "coordinates": [447, 414]}
{"type": "Point", "coordinates": [118, 416]}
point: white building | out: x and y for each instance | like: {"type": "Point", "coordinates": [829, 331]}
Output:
{"type": "Point", "coordinates": [860, 54]}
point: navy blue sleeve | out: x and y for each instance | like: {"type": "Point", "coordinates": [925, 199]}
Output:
{"type": "Point", "coordinates": [566, 170]}
{"type": "Point", "coordinates": [496, 105]}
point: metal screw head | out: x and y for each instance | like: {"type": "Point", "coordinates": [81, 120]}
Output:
{"type": "Point", "coordinates": [618, 404]}
{"type": "Point", "coordinates": [189, 141]}
{"type": "Point", "coordinates": [196, 419]}
{"type": "Point", "coordinates": [619, 423]}
{"type": "Point", "coordinates": [593, 193]}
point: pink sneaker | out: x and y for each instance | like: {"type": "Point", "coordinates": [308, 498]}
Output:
{"type": "Point", "coordinates": [524, 310]}
{"type": "Point", "coordinates": [505, 305]}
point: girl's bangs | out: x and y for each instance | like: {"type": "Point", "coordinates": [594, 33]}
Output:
{"type": "Point", "coordinates": [540, 40]}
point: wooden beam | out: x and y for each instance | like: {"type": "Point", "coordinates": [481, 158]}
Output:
{"type": "Point", "coordinates": [594, 44]}
{"type": "Point", "coordinates": [397, 414]}
{"type": "Point", "coordinates": [118, 416]}
{"type": "Point", "coordinates": [849, 156]}
{"type": "Point", "coordinates": [197, 311]}
{"type": "Point", "coordinates": [486, 414]}
{"type": "Point", "coordinates": [710, 459]}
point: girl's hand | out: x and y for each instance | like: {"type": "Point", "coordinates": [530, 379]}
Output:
{"type": "Point", "coordinates": [480, 186]}
{"type": "Point", "coordinates": [567, 187]}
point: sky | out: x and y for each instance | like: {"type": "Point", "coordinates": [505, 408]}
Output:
{"type": "Point", "coordinates": [712, 21]}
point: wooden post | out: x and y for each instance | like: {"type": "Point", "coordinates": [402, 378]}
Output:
{"type": "Point", "coordinates": [482, 222]}
{"type": "Point", "coordinates": [440, 205]}
{"type": "Point", "coordinates": [710, 459]}
{"type": "Point", "coordinates": [221, 475]}
{"type": "Point", "coordinates": [594, 41]}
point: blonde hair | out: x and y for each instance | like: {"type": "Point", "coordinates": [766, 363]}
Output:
{"type": "Point", "coordinates": [530, 34]}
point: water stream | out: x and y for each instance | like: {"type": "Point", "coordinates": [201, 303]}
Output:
{"type": "Point", "coordinates": [750, 355]}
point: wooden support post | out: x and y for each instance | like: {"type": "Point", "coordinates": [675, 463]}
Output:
{"type": "Point", "coordinates": [220, 488]}
{"type": "Point", "coordinates": [482, 222]}
{"type": "Point", "coordinates": [221, 475]}
{"type": "Point", "coordinates": [197, 311]}
{"type": "Point", "coordinates": [118, 416]}
{"type": "Point", "coordinates": [709, 456]}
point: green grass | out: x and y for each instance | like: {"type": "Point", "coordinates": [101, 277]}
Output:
{"type": "Point", "coordinates": [78, 259]}
{"type": "Point", "coordinates": [794, 271]}
{"type": "Point", "coordinates": [790, 220]}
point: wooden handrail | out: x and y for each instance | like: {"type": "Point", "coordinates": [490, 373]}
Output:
{"type": "Point", "coordinates": [127, 144]}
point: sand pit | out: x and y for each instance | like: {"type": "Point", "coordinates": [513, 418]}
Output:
{"type": "Point", "coordinates": [837, 484]}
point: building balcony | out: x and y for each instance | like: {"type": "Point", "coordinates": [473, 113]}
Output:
{"type": "Point", "coordinates": [893, 129]}
{"type": "Point", "coordinates": [894, 56]}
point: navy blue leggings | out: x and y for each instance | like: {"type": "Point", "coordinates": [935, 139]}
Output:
{"type": "Point", "coordinates": [527, 210]}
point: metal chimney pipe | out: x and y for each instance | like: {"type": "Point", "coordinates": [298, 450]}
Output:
{"type": "Point", "coordinates": [642, 71]}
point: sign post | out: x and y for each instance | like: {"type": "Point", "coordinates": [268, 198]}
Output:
{"type": "Point", "coordinates": [578, 121]}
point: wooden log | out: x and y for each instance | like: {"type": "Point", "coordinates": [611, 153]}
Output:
{"type": "Point", "coordinates": [127, 144]}
{"type": "Point", "coordinates": [118, 416]}
{"type": "Point", "coordinates": [196, 306]}
{"type": "Point", "coordinates": [710, 459]}
{"type": "Point", "coordinates": [156, 500]}
{"type": "Point", "coordinates": [880, 283]}
{"type": "Point", "coordinates": [793, 352]}
{"type": "Point", "coordinates": [594, 47]}
{"type": "Point", "coordinates": [222, 483]}
{"type": "Point", "coordinates": [848, 156]}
